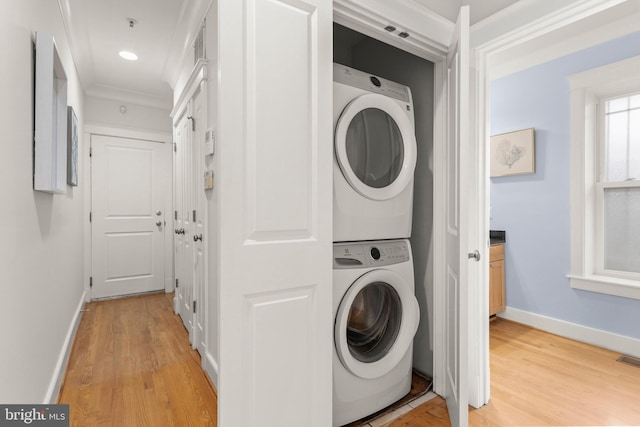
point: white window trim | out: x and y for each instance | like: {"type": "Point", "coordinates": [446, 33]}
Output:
{"type": "Point", "coordinates": [586, 89]}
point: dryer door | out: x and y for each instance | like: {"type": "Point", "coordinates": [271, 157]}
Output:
{"type": "Point", "coordinates": [375, 146]}
{"type": "Point", "coordinates": [375, 323]}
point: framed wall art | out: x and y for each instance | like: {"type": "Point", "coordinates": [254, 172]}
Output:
{"type": "Point", "coordinates": [50, 110]}
{"type": "Point", "coordinates": [513, 153]}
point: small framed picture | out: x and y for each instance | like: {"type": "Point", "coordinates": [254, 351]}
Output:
{"type": "Point", "coordinates": [72, 147]}
{"type": "Point", "coordinates": [513, 153]}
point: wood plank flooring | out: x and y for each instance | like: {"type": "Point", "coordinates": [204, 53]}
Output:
{"type": "Point", "coordinates": [131, 365]}
{"type": "Point", "coordinates": [539, 379]}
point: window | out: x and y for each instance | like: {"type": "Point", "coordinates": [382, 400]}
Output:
{"type": "Point", "coordinates": [605, 179]}
{"type": "Point", "coordinates": [618, 189]}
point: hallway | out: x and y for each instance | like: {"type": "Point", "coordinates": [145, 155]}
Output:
{"type": "Point", "coordinates": [131, 365]}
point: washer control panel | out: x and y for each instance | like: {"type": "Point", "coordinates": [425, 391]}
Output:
{"type": "Point", "coordinates": [370, 254]}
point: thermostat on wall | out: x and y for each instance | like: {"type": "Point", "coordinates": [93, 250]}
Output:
{"type": "Point", "coordinates": [209, 142]}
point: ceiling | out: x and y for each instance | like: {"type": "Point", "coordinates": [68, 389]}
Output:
{"type": "Point", "coordinates": [99, 29]}
{"type": "Point", "coordinates": [479, 9]}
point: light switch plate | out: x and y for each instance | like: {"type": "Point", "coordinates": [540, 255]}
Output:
{"type": "Point", "coordinates": [209, 142]}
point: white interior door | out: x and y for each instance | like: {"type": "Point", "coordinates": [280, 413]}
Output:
{"type": "Point", "coordinates": [128, 183]}
{"type": "Point", "coordinates": [178, 167]}
{"type": "Point", "coordinates": [199, 205]}
{"type": "Point", "coordinates": [184, 223]}
{"type": "Point", "coordinates": [275, 177]}
{"type": "Point", "coordinates": [456, 293]}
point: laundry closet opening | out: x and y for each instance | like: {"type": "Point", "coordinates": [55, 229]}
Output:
{"type": "Point", "coordinates": [367, 54]}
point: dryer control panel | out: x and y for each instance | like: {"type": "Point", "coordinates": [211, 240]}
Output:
{"type": "Point", "coordinates": [356, 78]}
{"type": "Point", "coordinates": [370, 254]}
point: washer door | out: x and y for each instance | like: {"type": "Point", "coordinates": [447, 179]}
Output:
{"type": "Point", "coordinates": [375, 146]}
{"type": "Point", "coordinates": [375, 323]}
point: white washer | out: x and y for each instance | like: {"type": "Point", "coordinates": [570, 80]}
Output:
{"type": "Point", "coordinates": [376, 316]}
{"type": "Point", "coordinates": [374, 159]}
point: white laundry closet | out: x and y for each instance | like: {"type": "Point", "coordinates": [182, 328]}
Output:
{"type": "Point", "coordinates": [364, 53]}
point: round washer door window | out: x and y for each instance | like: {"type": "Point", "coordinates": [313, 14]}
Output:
{"type": "Point", "coordinates": [375, 323]}
{"type": "Point", "coordinates": [375, 146]}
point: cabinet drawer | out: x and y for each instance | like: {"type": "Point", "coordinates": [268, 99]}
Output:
{"type": "Point", "coordinates": [496, 252]}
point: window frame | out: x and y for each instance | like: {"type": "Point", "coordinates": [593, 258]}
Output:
{"type": "Point", "coordinates": [588, 90]}
{"type": "Point", "coordinates": [602, 184]}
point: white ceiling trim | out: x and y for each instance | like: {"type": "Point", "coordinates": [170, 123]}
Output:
{"type": "Point", "coordinates": [128, 96]}
{"type": "Point", "coordinates": [360, 16]}
{"type": "Point", "coordinates": [73, 40]}
{"type": "Point", "coordinates": [529, 19]}
{"type": "Point", "coordinates": [505, 63]}
{"type": "Point", "coordinates": [189, 23]}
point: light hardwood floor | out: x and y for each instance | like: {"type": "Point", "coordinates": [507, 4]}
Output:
{"type": "Point", "coordinates": [131, 365]}
{"type": "Point", "coordinates": [539, 379]}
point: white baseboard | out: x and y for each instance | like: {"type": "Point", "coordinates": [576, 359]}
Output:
{"type": "Point", "coordinates": [61, 366]}
{"type": "Point", "coordinates": [597, 337]}
{"type": "Point", "coordinates": [211, 368]}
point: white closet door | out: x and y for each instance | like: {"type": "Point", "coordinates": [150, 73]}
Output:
{"type": "Point", "coordinates": [458, 181]}
{"type": "Point", "coordinates": [275, 179]}
{"type": "Point", "coordinates": [184, 224]}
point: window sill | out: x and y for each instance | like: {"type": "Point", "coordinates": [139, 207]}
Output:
{"type": "Point", "coordinates": [606, 285]}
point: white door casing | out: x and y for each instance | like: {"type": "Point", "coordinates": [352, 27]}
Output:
{"type": "Point", "coordinates": [128, 185]}
{"type": "Point", "coordinates": [457, 210]}
{"type": "Point", "coordinates": [274, 266]}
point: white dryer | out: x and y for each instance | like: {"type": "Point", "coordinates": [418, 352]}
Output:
{"type": "Point", "coordinates": [375, 157]}
{"type": "Point", "coordinates": [376, 316]}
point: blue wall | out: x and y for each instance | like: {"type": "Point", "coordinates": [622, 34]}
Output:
{"type": "Point", "coordinates": [535, 209]}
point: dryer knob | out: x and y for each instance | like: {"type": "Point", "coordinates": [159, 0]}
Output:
{"type": "Point", "coordinates": [375, 253]}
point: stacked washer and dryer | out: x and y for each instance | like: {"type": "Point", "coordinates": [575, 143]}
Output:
{"type": "Point", "coordinates": [375, 310]}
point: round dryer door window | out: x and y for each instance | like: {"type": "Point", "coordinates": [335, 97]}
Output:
{"type": "Point", "coordinates": [375, 323]}
{"type": "Point", "coordinates": [376, 146]}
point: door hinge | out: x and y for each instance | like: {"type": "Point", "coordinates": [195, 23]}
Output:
{"type": "Point", "coordinates": [194, 215]}
{"type": "Point", "coordinates": [91, 281]}
{"type": "Point", "coordinates": [175, 147]}
{"type": "Point", "coordinates": [90, 151]}
{"type": "Point", "coordinates": [177, 281]}
{"type": "Point", "coordinates": [175, 215]}
{"type": "Point", "coordinates": [90, 216]}
{"type": "Point", "coordinates": [194, 306]}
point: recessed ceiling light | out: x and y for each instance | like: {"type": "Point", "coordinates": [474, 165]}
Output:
{"type": "Point", "coordinates": [129, 56]}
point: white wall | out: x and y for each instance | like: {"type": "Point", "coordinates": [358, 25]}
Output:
{"type": "Point", "coordinates": [41, 267]}
{"type": "Point", "coordinates": [101, 111]}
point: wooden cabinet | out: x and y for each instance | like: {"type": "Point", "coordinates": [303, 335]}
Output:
{"type": "Point", "coordinates": [497, 300]}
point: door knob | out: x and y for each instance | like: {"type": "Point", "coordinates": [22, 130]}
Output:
{"type": "Point", "coordinates": [198, 237]}
{"type": "Point", "coordinates": [159, 223]}
{"type": "Point", "coordinates": [475, 254]}
{"type": "Point", "coordinates": [158, 213]}
{"type": "Point", "coordinates": [181, 231]}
